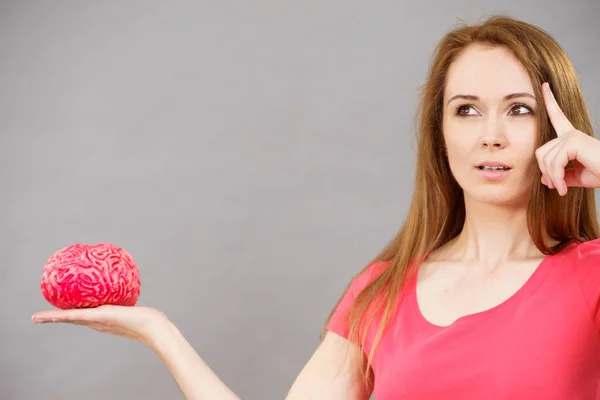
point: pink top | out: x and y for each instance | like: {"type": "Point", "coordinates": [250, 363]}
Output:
{"type": "Point", "coordinates": [541, 343]}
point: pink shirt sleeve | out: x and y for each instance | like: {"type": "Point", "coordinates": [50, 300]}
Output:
{"type": "Point", "coordinates": [587, 267]}
{"type": "Point", "coordinates": [339, 322]}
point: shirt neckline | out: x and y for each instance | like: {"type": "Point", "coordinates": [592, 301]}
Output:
{"type": "Point", "coordinates": [531, 285]}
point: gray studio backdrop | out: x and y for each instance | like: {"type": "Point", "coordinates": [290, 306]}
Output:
{"type": "Point", "coordinates": [251, 156]}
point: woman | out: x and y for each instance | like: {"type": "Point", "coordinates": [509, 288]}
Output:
{"type": "Point", "coordinates": [491, 288]}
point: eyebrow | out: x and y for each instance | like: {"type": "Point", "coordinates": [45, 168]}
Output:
{"type": "Point", "coordinates": [475, 98]}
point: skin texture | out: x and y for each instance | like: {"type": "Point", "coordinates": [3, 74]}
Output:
{"type": "Point", "coordinates": [486, 126]}
{"type": "Point", "coordinates": [490, 128]}
{"type": "Point", "coordinates": [495, 231]}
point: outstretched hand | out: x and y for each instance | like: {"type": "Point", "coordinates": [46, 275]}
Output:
{"type": "Point", "coordinates": [570, 145]}
{"type": "Point", "coordinates": [135, 323]}
{"type": "Point", "coordinates": [152, 328]}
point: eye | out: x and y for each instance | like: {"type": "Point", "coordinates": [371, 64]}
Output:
{"type": "Point", "coordinates": [520, 109]}
{"type": "Point", "coordinates": [465, 110]}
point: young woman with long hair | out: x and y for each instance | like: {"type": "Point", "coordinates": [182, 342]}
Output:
{"type": "Point", "coordinates": [491, 288]}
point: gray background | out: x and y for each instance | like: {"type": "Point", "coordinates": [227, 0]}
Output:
{"type": "Point", "coordinates": [251, 156]}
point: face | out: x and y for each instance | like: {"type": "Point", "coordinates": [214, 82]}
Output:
{"type": "Point", "coordinates": [489, 126]}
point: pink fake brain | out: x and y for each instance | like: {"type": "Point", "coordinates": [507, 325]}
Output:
{"type": "Point", "coordinates": [84, 276]}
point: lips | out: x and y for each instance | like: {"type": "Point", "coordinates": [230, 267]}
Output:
{"type": "Point", "coordinates": [493, 170]}
{"type": "Point", "coordinates": [493, 166]}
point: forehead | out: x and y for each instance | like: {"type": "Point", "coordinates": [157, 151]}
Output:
{"type": "Point", "coordinates": [487, 71]}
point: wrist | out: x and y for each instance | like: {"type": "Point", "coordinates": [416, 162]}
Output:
{"type": "Point", "coordinates": [158, 331]}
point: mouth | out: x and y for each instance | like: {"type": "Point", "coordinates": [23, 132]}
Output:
{"type": "Point", "coordinates": [493, 166]}
{"type": "Point", "coordinates": [493, 171]}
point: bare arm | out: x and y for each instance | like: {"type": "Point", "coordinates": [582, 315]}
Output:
{"type": "Point", "coordinates": [195, 379]}
{"type": "Point", "coordinates": [331, 373]}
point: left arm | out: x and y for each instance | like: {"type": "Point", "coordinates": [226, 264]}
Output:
{"type": "Point", "coordinates": [194, 377]}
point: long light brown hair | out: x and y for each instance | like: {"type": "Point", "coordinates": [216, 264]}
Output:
{"type": "Point", "coordinates": [437, 211]}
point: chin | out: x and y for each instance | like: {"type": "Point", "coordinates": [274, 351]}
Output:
{"type": "Point", "coordinates": [497, 196]}
{"type": "Point", "coordinates": [511, 191]}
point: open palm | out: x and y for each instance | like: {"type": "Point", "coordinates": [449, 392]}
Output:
{"type": "Point", "coordinates": [134, 323]}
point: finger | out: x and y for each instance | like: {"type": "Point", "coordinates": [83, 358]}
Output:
{"type": "Point", "coordinates": [556, 160]}
{"type": "Point", "coordinates": [69, 316]}
{"type": "Point", "coordinates": [541, 154]}
{"type": "Point", "coordinates": [545, 181]}
{"type": "Point", "coordinates": [48, 316]}
{"type": "Point", "coordinates": [548, 163]}
{"type": "Point", "coordinates": [559, 120]}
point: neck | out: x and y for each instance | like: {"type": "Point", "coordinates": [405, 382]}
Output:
{"type": "Point", "coordinates": [493, 234]}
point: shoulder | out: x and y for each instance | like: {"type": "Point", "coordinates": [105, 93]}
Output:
{"type": "Point", "coordinates": [589, 248]}
{"type": "Point", "coordinates": [368, 274]}
{"type": "Point", "coordinates": [362, 279]}
{"type": "Point", "coordinates": [587, 254]}
{"type": "Point", "coordinates": [585, 261]}
{"type": "Point", "coordinates": [339, 318]}
{"type": "Point", "coordinates": [582, 257]}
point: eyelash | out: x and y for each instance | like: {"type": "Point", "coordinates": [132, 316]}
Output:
{"type": "Point", "coordinates": [460, 107]}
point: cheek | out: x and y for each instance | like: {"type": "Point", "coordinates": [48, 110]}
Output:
{"type": "Point", "coordinates": [461, 161]}
{"type": "Point", "coordinates": [523, 143]}
{"type": "Point", "coordinates": [459, 152]}
{"type": "Point", "coordinates": [460, 149]}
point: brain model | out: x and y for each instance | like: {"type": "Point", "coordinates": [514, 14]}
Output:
{"type": "Point", "coordinates": [85, 276]}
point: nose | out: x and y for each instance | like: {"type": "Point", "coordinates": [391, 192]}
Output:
{"type": "Point", "coordinates": [493, 142]}
{"type": "Point", "coordinates": [493, 137]}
